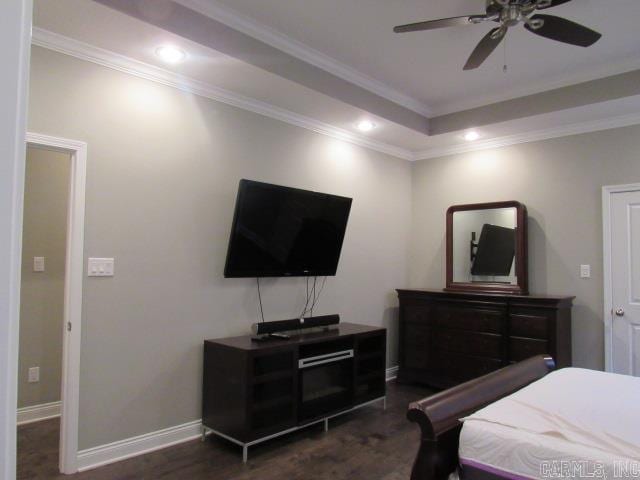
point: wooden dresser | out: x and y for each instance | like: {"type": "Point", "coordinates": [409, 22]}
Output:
{"type": "Point", "coordinates": [447, 338]}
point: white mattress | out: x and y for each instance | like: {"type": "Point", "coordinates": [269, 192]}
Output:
{"type": "Point", "coordinates": [571, 419]}
{"type": "Point", "coordinates": [517, 454]}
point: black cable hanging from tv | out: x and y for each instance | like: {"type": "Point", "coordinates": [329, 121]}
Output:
{"type": "Point", "coordinates": [260, 299]}
{"type": "Point", "coordinates": [306, 303]}
{"type": "Point", "coordinates": [316, 297]}
{"type": "Point", "coordinates": [305, 309]}
{"type": "Point", "coordinates": [313, 295]}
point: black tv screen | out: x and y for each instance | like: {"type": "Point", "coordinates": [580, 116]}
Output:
{"type": "Point", "coordinates": [496, 250]}
{"type": "Point", "coordinates": [280, 231]}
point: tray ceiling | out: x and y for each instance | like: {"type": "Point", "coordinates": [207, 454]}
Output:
{"type": "Point", "coordinates": [356, 67]}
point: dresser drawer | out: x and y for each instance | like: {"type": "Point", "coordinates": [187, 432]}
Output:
{"type": "Point", "coordinates": [416, 340]}
{"type": "Point", "coordinates": [529, 324]}
{"type": "Point", "coordinates": [416, 314]}
{"type": "Point", "coordinates": [470, 319]}
{"type": "Point", "coordinates": [523, 348]}
{"type": "Point", "coordinates": [471, 343]}
{"type": "Point", "coordinates": [460, 367]}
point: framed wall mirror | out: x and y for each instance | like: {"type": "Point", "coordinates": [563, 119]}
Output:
{"type": "Point", "coordinates": [487, 248]}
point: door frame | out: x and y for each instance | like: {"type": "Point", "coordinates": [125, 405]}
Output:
{"type": "Point", "coordinates": [74, 270]}
{"type": "Point", "coordinates": [607, 193]}
{"type": "Point", "coordinates": [15, 43]}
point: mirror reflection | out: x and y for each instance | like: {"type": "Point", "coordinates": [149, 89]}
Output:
{"type": "Point", "coordinates": [484, 245]}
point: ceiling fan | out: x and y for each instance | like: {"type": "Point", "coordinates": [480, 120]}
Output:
{"type": "Point", "coordinates": [509, 13]}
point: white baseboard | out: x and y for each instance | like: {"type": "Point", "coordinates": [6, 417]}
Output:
{"type": "Point", "coordinates": [37, 413]}
{"type": "Point", "coordinates": [392, 373]}
{"type": "Point", "coordinates": [132, 447]}
{"type": "Point", "coordinates": [149, 442]}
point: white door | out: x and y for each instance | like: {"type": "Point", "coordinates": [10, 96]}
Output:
{"type": "Point", "coordinates": [625, 282]}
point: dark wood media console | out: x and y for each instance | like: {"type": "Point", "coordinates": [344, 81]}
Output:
{"type": "Point", "coordinates": [255, 391]}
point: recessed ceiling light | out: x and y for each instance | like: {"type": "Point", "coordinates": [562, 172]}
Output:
{"type": "Point", "coordinates": [170, 54]}
{"type": "Point", "coordinates": [471, 136]}
{"type": "Point", "coordinates": [365, 125]}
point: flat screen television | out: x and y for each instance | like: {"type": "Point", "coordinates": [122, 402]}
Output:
{"type": "Point", "coordinates": [280, 231]}
{"type": "Point", "coordinates": [496, 250]}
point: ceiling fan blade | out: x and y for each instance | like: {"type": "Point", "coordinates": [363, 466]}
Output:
{"type": "Point", "coordinates": [551, 4]}
{"type": "Point", "coordinates": [486, 46]}
{"type": "Point", "coordinates": [563, 30]}
{"type": "Point", "coordinates": [433, 24]}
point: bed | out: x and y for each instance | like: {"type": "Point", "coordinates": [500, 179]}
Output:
{"type": "Point", "coordinates": [524, 422]}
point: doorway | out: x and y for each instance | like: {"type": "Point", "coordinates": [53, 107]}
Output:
{"type": "Point", "coordinates": [44, 231]}
{"type": "Point", "coordinates": [621, 219]}
{"type": "Point", "coordinates": [54, 263]}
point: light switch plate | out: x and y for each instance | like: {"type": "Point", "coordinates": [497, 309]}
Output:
{"type": "Point", "coordinates": [585, 271]}
{"type": "Point", "coordinates": [34, 374]}
{"type": "Point", "coordinates": [100, 267]}
{"type": "Point", "coordinates": [38, 264]}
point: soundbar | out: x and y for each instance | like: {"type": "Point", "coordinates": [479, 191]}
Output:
{"type": "Point", "coordinates": [268, 328]}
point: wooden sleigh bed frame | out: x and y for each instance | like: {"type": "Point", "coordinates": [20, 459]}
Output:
{"type": "Point", "coordinates": [438, 416]}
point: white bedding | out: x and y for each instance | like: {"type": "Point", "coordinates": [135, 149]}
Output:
{"type": "Point", "coordinates": [571, 415]}
{"type": "Point", "coordinates": [518, 454]}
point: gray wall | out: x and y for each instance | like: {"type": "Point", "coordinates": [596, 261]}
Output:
{"type": "Point", "coordinates": [163, 169]}
{"type": "Point", "coordinates": [42, 293]}
{"type": "Point", "coordinates": [560, 182]}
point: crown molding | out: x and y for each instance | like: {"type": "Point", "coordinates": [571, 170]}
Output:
{"type": "Point", "coordinates": [276, 39]}
{"type": "Point", "coordinates": [83, 51]}
{"type": "Point", "coordinates": [532, 136]}
{"type": "Point", "coordinates": [109, 59]}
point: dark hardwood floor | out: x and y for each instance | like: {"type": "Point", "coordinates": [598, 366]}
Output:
{"type": "Point", "coordinates": [369, 444]}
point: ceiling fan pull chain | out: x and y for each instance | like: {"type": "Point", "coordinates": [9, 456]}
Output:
{"type": "Point", "coordinates": [504, 51]}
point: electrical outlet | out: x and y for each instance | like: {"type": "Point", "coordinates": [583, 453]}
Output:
{"type": "Point", "coordinates": [585, 271]}
{"type": "Point", "coordinates": [34, 374]}
{"type": "Point", "coordinates": [38, 264]}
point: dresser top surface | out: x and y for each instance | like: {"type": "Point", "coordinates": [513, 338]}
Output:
{"type": "Point", "coordinates": [488, 296]}
{"type": "Point", "coordinates": [342, 330]}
